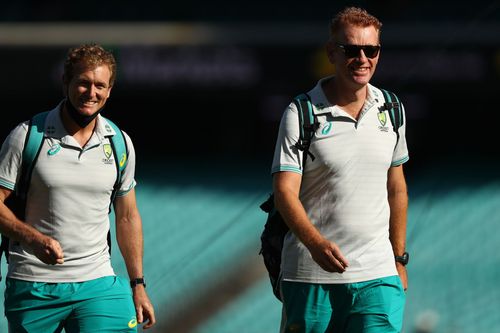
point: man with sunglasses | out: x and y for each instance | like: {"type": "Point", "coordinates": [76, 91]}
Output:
{"type": "Point", "coordinates": [343, 262]}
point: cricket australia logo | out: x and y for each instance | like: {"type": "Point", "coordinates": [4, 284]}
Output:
{"type": "Point", "coordinates": [108, 154]}
{"type": "Point", "coordinates": [382, 118]}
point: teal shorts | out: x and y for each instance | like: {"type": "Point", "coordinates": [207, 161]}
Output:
{"type": "Point", "coordinates": [374, 306]}
{"type": "Point", "coordinates": [100, 305]}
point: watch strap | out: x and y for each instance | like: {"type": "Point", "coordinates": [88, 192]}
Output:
{"type": "Point", "coordinates": [135, 282]}
{"type": "Point", "coordinates": [403, 259]}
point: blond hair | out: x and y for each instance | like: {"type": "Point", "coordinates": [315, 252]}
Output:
{"type": "Point", "coordinates": [88, 56]}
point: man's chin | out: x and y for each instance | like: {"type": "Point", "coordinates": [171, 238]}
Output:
{"type": "Point", "coordinates": [361, 80]}
{"type": "Point", "coordinates": [86, 111]}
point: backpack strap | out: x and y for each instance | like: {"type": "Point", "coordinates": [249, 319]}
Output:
{"type": "Point", "coordinates": [393, 105]}
{"type": "Point", "coordinates": [32, 146]}
{"type": "Point", "coordinates": [308, 125]}
{"type": "Point", "coordinates": [120, 151]}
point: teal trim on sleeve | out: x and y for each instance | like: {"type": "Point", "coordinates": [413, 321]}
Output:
{"type": "Point", "coordinates": [400, 161]}
{"type": "Point", "coordinates": [290, 168]}
{"type": "Point", "coordinates": [7, 184]}
{"type": "Point", "coordinates": [124, 192]}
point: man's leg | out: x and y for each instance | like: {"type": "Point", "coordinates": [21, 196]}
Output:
{"type": "Point", "coordinates": [35, 306]}
{"type": "Point", "coordinates": [378, 306]}
{"type": "Point", "coordinates": [306, 308]}
{"type": "Point", "coordinates": [103, 305]}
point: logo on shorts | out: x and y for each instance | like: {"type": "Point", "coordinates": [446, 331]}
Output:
{"type": "Point", "coordinates": [54, 149]}
{"type": "Point", "coordinates": [108, 153]}
{"type": "Point", "coordinates": [132, 323]}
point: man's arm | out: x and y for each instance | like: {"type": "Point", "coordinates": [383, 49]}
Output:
{"type": "Point", "coordinates": [130, 240]}
{"type": "Point", "coordinates": [286, 195]}
{"type": "Point", "coordinates": [398, 202]}
{"type": "Point", "coordinates": [45, 248]}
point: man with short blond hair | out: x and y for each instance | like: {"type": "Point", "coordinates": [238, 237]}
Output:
{"type": "Point", "coordinates": [60, 274]}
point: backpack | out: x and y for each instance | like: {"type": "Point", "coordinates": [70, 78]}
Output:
{"type": "Point", "coordinates": [275, 228]}
{"type": "Point", "coordinates": [32, 146]}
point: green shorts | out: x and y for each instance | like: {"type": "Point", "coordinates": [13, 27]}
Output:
{"type": "Point", "coordinates": [374, 306]}
{"type": "Point", "coordinates": [100, 305]}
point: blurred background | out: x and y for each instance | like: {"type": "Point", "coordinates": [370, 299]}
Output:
{"type": "Point", "coordinates": [201, 87]}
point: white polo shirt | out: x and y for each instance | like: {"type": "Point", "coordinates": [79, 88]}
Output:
{"type": "Point", "coordinates": [344, 189]}
{"type": "Point", "coordinates": [68, 199]}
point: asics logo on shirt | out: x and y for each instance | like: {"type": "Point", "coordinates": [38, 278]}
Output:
{"type": "Point", "coordinates": [54, 149]}
{"type": "Point", "coordinates": [123, 159]}
{"type": "Point", "coordinates": [327, 128]}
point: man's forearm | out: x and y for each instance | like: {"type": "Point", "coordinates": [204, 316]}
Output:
{"type": "Point", "coordinates": [398, 203]}
{"type": "Point", "coordinates": [130, 240]}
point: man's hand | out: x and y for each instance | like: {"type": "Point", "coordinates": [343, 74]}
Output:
{"type": "Point", "coordinates": [47, 249]}
{"type": "Point", "coordinates": [328, 256]}
{"type": "Point", "coordinates": [403, 275]}
{"type": "Point", "coordinates": [143, 307]}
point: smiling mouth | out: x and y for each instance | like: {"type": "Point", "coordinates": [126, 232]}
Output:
{"type": "Point", "coordinates": [88, 103]}
{"type": "Point", "coordinates": [360, 70]}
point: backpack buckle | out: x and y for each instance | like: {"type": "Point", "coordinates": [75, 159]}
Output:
{"type": "Point", "coordinates": [390, 105]}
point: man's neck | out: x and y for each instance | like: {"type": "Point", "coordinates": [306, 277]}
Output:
{"type": "Point", "coordinates": [350, 99]}
{"type": "Point", "coordinates": [81, 134]}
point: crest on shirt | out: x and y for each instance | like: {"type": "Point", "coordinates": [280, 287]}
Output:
{"type": "Point", "coordinates": [108, 153]}
{"type": "Point", "coordinates": [382, 118]}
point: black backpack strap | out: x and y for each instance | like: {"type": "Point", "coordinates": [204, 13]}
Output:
{"type": "Point", "coordinates": [275, 228]}
{"type": "Point", "coordinates": [393, 105]}
{"type": "Point", "coordinates": [308, 124]}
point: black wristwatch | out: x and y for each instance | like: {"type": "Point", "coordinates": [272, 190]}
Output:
{"type": "Point", "coordinates": [135, 282]}
{"type": "Point", "coordinates": [403, 259]}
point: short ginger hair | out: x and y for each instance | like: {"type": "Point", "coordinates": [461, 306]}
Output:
{"type": "Point", "coordinates": [353, 16]}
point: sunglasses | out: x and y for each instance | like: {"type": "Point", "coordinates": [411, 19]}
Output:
{"type": "Point", "coordinates": [352, 51]}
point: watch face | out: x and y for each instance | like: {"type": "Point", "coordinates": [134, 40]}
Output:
{"type": "Point", "coordinates": [403, 259]}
